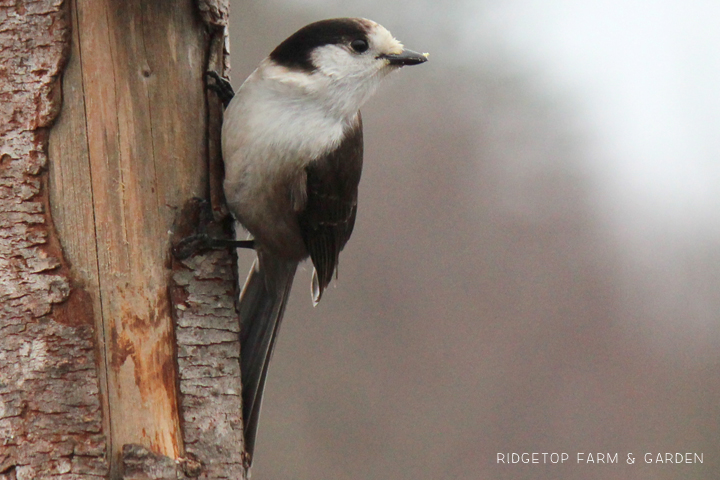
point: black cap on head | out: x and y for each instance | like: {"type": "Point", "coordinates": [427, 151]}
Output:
{"type": "Point", "coordinates": [295, 51]}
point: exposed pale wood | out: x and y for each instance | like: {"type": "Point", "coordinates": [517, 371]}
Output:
{"type": "Point", "coordinates": [128, 151]}
{"type": "Point", "coordinates": [133, 144]}
{"type": "Point", "coordinates": [50, 417]}
{"type": "Point", "coordinates": [130, 148]}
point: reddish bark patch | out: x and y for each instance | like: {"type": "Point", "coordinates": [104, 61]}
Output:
{"type": "Point", "coordinates": [76, 310]}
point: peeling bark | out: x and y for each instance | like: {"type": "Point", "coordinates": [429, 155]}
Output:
{"type": "Point", "coordinates": [209, 363]}
{"type": "Point", "coordinates": [204, 294]}
{"type": "Point", "coordinates": [50, 418]}
{"type": "Point", "coordinates": [125, 154]}
{"type": "Point", "coordinates": [140, 463]}
{"type": "Point", "coordinates": [93, 311]}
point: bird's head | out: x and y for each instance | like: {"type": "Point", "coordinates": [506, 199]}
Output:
{"type": "Point", "coordinates": [339, 61]}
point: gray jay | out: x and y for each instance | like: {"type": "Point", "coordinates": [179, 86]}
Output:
{"type": "Point", "coordinates": [292, 143]}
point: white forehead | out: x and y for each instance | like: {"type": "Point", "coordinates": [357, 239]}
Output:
{"type": "Point", "coordinates": [382, 40]}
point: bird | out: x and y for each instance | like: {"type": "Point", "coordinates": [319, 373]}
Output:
{"type": "Point", "coordinates": [292, 145]}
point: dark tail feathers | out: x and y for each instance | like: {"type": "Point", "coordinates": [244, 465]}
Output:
{"type": "Point", "coordinates": [261, 307]}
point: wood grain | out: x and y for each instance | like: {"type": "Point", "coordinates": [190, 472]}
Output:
{"type": "Point", "coordinates": [128, 150]}
{"type": "Point", "coordinates": [94, 314]}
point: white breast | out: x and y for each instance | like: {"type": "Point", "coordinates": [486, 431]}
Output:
{"type": "Point", "coordinates": [271, 131]}
{"type": "Point", "coordinates": [279, 120]}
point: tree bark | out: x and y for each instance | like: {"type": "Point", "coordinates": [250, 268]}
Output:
{"type": "Point", "coordinates": [108, 346]}
{"type": "Point", "coordinates": [50, 417]}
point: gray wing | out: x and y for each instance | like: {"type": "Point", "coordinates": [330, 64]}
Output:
{"type": "Point", "coordinates": [328, 218]}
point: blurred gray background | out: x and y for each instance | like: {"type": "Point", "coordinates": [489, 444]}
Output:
{"type": "Point", "coordinates": [536, 261]}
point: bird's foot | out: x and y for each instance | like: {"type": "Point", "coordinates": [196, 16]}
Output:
{"type": "Point", "coordinates": [221, 87]}
{"type": "Point", "coordinates": [202, 242]}
{"type": "Point", "coordinates": [196, 231]}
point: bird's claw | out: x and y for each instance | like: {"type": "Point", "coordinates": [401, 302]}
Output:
{"type": "Point", "coordinates": [221, 87]}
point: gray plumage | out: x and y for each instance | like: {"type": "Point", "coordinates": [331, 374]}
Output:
{"type": "Point", "coordinates": [293, 149]}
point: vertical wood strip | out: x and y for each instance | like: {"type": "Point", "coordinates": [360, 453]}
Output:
{"type": "Point", "coordinates": [132, 151]}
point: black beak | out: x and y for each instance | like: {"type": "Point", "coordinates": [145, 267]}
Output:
{"type": "Point", "coordinates": [407, 57]}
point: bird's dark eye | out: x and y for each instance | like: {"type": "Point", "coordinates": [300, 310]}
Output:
{"type": "Point", "coordinates": [359, 45]}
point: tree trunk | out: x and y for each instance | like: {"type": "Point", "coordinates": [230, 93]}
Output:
{"type": "Point", "coordinates": [115, 359]}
